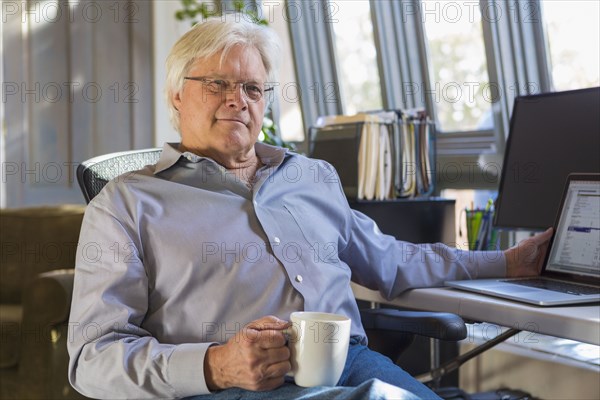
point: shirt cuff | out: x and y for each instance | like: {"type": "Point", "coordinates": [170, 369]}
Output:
{"type": "Point", "coordinates": [490, 264]}
{"type": "Point", "coordinates": [186, 369]}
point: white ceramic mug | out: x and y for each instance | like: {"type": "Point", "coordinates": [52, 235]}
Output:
{"type": "Point", "coordinates": [319, 346]}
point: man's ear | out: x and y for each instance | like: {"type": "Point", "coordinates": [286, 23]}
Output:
{"type": "Point", "coordinates": [176, 99]}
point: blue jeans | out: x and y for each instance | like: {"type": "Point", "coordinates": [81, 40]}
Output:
{"type": "Point", "coordinates": [367, 375]}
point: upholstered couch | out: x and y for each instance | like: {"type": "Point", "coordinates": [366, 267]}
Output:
{"type": "Point", "coordinates": [38, 247]}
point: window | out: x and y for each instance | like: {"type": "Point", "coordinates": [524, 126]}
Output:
{"type": "Point", "coordinates": [291, 126]}
{"type": "Point", "coordinates": [357, 57]}
{"type": "Point", "coordinates": [572, 30]}
{"type": "Point", "coordinates": [464, 61]}
{"type": "Point", "coordinates": [457, 66]}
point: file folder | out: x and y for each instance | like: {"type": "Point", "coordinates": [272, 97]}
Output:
{"type": "Point", "coordinates": [379, 156]}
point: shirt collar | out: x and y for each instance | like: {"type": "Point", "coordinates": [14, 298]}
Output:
{"type": "Point", "coordinates": [271, 156]}
{"type": "Point", "coordinates": [168, 157]}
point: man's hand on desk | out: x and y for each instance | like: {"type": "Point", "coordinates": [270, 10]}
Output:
{"type": "Point", "coordinates": [527, 257]}
{"type": "Point", "coordinates": [256, 358]}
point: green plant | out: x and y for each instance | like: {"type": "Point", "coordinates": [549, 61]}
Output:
{"type": "Point", "coordinates": [192, 9]}
{"type": "Point", "coordinates": [269, 135]}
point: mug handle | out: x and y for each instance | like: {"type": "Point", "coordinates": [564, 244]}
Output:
{"type": "Point", "coordinates": [289, 332]}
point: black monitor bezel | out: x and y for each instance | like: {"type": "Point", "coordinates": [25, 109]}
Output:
{"type": "Point", "coordinates": [507, 155]}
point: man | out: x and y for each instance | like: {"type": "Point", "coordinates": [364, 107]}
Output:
{"type": "Point", "coordinates": [187, 272]}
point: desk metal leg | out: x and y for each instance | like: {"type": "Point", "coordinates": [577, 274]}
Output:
{"type": "Point", "coordinates": [436, 374]}
{"type": "Point", "coordinates": [434, 361]}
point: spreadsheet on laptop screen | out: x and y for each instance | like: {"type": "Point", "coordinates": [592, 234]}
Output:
{"type": "Point", "coordinates": [576, 247]}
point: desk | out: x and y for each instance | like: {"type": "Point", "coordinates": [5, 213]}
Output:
{"type": "Point", "coordinates": [581, 323]}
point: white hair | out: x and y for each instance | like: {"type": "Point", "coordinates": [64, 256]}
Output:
{"type": "Point", "coordinates": [210, 37]}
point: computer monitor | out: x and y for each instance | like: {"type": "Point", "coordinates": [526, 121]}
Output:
{"type": "Point", "coordinates": [551, 135]}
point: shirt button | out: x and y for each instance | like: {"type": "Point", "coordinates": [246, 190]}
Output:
{"type": "Point", "coordinates": [299, 278]}
{"type": "Point", "coordinates": [276, 240]}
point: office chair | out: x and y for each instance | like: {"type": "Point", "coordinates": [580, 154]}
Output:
{"type": "Point", "coordinates": [390, 331]}
{"type": "Point", "coordinates": [94, 173]}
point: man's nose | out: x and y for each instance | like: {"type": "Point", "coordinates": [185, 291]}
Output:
{"type": "Point", "coordinates": [235, 97]}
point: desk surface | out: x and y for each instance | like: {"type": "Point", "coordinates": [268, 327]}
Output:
{"type": "Point", "coordinates": [581, 323]}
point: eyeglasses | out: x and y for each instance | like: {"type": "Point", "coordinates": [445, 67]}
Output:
{"type": "Point", "coordinates": [253, 91]}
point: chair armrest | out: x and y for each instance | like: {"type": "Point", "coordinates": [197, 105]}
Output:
{"type": "Point", "coordinates": [47, 300]}
{"type": "Point", "coordinates": [437, 325]}
{"type": "Point", "coordinates": [43, 369]}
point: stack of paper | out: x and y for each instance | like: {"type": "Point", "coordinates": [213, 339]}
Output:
{"type": "Point", "coordinates": [382, 117]}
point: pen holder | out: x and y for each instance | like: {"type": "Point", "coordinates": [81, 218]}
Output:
{"type": "Point", "coordinates": [480, 233]}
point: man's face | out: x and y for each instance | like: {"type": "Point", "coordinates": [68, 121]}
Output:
{"type": "Point", "coordinates": [227, 123]}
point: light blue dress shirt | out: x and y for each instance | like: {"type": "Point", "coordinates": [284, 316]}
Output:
{"type": "Point", "coordinates": [183, 254]}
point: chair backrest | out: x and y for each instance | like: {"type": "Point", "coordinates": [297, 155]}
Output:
{"type": "Point", "coordinates": [94, 173]}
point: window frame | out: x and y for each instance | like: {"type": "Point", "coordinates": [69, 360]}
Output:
{"type": "Point", "coordinates": [517, 58]}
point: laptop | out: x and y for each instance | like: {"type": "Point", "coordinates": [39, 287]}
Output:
{"type": "Point", "coordinates": [571, 272]}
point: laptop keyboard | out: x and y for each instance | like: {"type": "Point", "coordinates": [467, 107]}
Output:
{"type": "Point", "coordinates": [557, 286]}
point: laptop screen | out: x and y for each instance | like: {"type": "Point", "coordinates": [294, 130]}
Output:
{"type": "Point", "coordinates": [576, 246]}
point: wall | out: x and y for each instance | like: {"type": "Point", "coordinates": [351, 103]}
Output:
{"type": "Point", "coordinates": [166, 32]}
{"type": "Point", "coordinates": [77, 82]}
